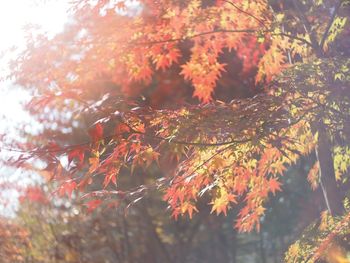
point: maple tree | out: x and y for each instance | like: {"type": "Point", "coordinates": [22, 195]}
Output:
{"type": "Point", "coordinates": [291, 56]}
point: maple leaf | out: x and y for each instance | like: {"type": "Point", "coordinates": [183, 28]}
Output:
{"type": "Point", "coordinates": [189, 208]}
{"type": "Point", "coordinates": [313, 176]}
{"type": "Point", "coordinates": [94, 164]}
{"type": "Point", "coordinates": [270, 64]}
{"type": "Point", "coordinates": [240, 185]}
{"type": "Point", "coordinates": [78, 153]}
{"type": "Point", "coordinates": [221, 203]}
{"type": "Point", "coordinates": [274, 185]}
{"type": "Point", "coordinates": [111, 175]}
{"type": "Point", "coordinates": [122, 128]}
{"type": "Point", "coordinates": [67, 188]}
{"type": "Point", "coordinates": [173, 55]}
{"type": "Point", "coordinates": [96, 132]}
{"type": "Point", "coordinates": [146, 157]}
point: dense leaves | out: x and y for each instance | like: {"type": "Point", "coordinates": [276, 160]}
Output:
{"type": "Point", "coordinates": [127, 69]}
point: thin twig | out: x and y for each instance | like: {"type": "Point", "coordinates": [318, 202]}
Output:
{"type": "Point", "coordinates": [248, 30]}
{"type": "Point", "coordinates": [247, 13]}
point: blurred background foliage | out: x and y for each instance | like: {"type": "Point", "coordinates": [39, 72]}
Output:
{"type": "Point", "coordinates": [64, 231]}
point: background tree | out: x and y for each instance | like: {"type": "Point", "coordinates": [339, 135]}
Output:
{"type": "Point", "coordinates": [62, 231]}
{"type": "Point", "coordinates": [14, 241]}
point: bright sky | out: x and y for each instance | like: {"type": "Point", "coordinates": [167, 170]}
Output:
{"type": "Point", "coordinates": [50, 15]}
{"type": "Point", "coordinates": [15, 14]}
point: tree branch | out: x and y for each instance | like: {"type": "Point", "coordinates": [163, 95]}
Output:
{"type": "Point", "coordinates": [294, 37]}
{"type": "Point", "coordinates": [330, 23]}
{"type": "Point", "coordinates": [328, 181]}
{"type": "Point", "coordinates": [307, 26]}
{"type": "Point", "coordinates": [249, 31]}
{"type": "Point", "coordinates": [247, 13]}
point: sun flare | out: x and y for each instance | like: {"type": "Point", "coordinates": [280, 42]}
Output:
{"type": "Point", "coordinates": [15, 16]}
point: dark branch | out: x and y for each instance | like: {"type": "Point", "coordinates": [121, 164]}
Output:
{"type": "Point", "coordinates": [248, 31]}
{"type": "Point", "coordinates": [330, 23]}
{"type": "Point", "coordinates": [198, 35]}
{"type": "Point", "coordinates": [306, 24]}
{"type": "Point", "coordinates": [247, 13]}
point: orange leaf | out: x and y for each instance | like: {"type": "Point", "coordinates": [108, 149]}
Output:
{"type": "Point", "coordinates": [274, 185]}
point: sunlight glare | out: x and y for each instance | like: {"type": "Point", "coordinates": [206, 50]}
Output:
{"type": "Point", "coordinates": [49, 17]}
{"type": "Point", "coordinates": [15, 15]}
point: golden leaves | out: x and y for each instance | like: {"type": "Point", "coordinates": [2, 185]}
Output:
{"type": "Point", "coordinates": [222, 201]}
{"type": "Point", "coordinates": [341, 161]}
{"type": "Point", "coordinates": [203, 70]}
{"type": "Point", "coordinates": [145, 157]}
{"type": "Point", "coordinates": [313, 176]}
{"type": "Point", "coordinates": [271, 63]}
{"type": "Point", "coordinates": [335, 30]}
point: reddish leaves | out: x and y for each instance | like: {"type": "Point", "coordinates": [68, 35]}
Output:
{"type": "Point", "coordinates": [96, 132]}
{"type": "Point", "coordinates": [77, 153]}
{"type": "Point", "coordinates": [67, 188]}
{"type": "Point", "coordinates": [34, 194]}
{"type": "Point", "coordinates": [93, 204]}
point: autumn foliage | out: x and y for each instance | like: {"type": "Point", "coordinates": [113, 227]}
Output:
{"type": "Point", "coordinates": [14, 241]}
{"type": "Point", "coordinates": [221, 97]}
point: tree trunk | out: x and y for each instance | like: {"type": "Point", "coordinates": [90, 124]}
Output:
{"type": "Point", "coordinates": [234, 246]}
{"type": "Point", "coordinates": [328, 182]}
{"type": "Point", "coordinates": [262, 247]}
